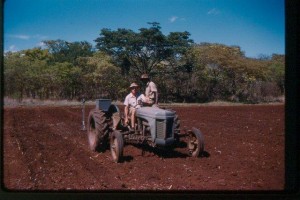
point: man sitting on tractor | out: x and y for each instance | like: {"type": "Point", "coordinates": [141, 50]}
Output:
{"type": "Point", "coordinates": [151, 97]}
{"type": "Point", "coordinates": [131, 104]}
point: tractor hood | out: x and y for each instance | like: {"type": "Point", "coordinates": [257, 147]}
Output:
{"type": "Point", "coordinates": [154, 112]}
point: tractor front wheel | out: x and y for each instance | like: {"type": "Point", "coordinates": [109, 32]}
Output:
{"type": "Point", "coordinates": [195, 142]}
{"type": "Point", "coordinates": [116, 146]}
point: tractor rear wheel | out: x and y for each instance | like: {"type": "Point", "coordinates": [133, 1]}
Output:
{"type": "Point", "coordinates": [195, 142]}
{"type": "Point", "coordinates": [98, 130]}
{"type": "Point", "coordinates": [116, 146]}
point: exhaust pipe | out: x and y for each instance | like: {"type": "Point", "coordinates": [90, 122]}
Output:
{"type": "Point", "coordinates": [83, 128]}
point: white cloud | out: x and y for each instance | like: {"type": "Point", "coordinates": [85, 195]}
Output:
{"type": "Point", "coordinates": [173, 19]}
{"type": "Point", "coordinates": [40, 37]}
{"type": "Point", "coordinates": [213, 11]}
{"type": "Point", "coordinates": [27, 37]}
{"type": "Point", "coordinates": [22, 37]}
{"type": "Point", "coordinates": [41, 44]}
{"type": "Point", "coordinates": [11, 48]}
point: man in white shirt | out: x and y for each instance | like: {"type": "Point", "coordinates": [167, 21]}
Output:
{"type": "Point", "coordinates": [132, 103]}
{"type": "Point", "coordinates": [150, 92]}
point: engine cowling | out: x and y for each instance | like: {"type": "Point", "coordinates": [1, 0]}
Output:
{"type": "Point", "coordinates": [161, 123]}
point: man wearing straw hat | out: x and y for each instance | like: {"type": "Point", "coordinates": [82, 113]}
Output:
{"type": "Point", "coordinates": [131, 104]}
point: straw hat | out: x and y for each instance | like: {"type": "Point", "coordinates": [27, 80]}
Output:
{"type": "Point", "coordinates": [133, 85]}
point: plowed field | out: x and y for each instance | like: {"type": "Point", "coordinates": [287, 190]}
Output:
{"type": "Point", "coordinates": [45, 149]}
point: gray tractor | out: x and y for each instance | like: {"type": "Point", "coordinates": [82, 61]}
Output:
{"type": "Point", "coordinates": [155, 127]}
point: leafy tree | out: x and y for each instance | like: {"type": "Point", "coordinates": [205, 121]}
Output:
{"type": "Point", "coordinates": [37, 54]}
{"type": "Point", "coordinates": [223, 72]}
{"type": "Point", "coordinates": [101, 78]}
{"type": "Point", "coordinates": [63, 51]}
{"type": "Point", "coordinates": [183, 73]}
{"type": "Point", "coordinates": [142, 52]}
{"type": "Point", "coordinates": [35, 71]}
{"type": "Point", "coordinates": [218, 68]}
{"type": "Point", "coordinates": [64, 80]}
{"type": "Point", "coordinates": [278, 71]}
{"type": "Point", "coordinates": [36, 79]}
{"type": "Point", "coordinates": [15, 67]}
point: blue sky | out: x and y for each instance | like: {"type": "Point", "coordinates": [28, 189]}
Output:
{"type": "Point", "coordinates": [257, 26]}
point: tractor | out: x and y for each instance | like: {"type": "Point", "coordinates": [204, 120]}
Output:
{"type": "Point", "coordinates": [154, 126]}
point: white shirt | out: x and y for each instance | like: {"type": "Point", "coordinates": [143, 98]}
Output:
{"type": "Point", "coordinates": [150, 89]}
{"type": "Point", "coordinates": [132, 101]}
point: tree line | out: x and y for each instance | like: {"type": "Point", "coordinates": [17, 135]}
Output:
{"type": "Point", "coordinates": [183, 70]}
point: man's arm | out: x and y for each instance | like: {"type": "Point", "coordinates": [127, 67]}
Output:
{"type": "Point", "coordinates": [154, 91]}
{"type": "Point", "coordinates": [126, 111]}
{"type": "Point", "coordinates": [155, 96]}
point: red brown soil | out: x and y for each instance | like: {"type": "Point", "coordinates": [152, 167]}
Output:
{"type": "Point", "coordinates": [45, 149]}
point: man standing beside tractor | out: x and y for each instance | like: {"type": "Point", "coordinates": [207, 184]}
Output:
{"type": "Point", "coordinates": [150, 91]}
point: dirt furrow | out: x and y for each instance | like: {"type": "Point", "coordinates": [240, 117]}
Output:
{"type": "Point", "coordinates": [45, 149]}
{"type": "Point", "coordinates": [15, 168]}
